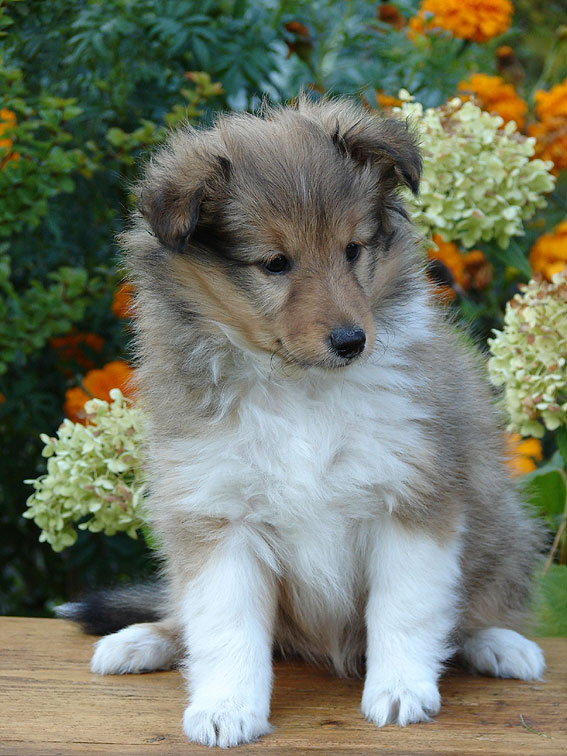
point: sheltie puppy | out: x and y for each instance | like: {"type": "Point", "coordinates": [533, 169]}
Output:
{"type": "Point", "coordinates": [325, 462]}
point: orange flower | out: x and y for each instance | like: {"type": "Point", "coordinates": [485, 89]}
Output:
{"type": "Point", "coordinates": [70, 347]}
{"type": "Point", "coordinates": [387, 101]}
{"type": "Point", "coordinates": [389, 14]}
{"type": "Point", "coordinates": [552, 104]}
{"type": "Point", "coordinates": [551, 142]}
{"type": "Point", "coordinates": [523, 453]}
{"type": "Point", "coordinates": [467, 270]}
{"type": "Point", "coordinates": [551, 131]}
{"type": "Point", "coordinates": [495, 96]}
{"type": "Point", "coordinates": [122, 302]}
{"type": "Point", "coordinates": [450, 258]}
{"type": "Point", "coordinates": [477, 269]}
{"type": "Point", "coordinates": [7, 121]}
{"type": "Point", "coordinates": [549, 253]}
{"type": "Point", "coordinates": [477, 20]}
{"type": "Point", "coordinates": [97, 384]}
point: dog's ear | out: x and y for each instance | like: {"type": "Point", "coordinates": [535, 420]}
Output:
{"type": "Point", "coordinates": [172, 206]}
{"type": "Point", "coordinates": [387, 144]}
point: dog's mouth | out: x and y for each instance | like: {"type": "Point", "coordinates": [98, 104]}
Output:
{"type": "Point", "coordinates": [328, 362]}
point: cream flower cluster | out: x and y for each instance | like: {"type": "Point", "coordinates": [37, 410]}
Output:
{"type": "Point", "coordinates": [530, 357]}
{"type": "Point", "coordinates": [479, 182]}
{"type": "Point", "coordinates": [94, 475]}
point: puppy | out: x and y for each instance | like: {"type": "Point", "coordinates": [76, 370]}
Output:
{"type": "Point", "coordinates": [325, 463]}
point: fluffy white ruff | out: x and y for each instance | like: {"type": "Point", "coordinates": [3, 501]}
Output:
{"type": "Point", "coordinates": [138, 648]}
{"type": "Point", "coordinates": [504, 653]}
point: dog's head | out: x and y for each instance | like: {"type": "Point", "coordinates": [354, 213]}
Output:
{"type": "Point", "coordinates": [287, 230]}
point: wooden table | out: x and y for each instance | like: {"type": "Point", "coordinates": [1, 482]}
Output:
{"type": "Point", "coordinates": [50, 704]}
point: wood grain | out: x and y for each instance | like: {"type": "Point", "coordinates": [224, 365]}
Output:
{"type": "Point", "coordinates": [50, 704]}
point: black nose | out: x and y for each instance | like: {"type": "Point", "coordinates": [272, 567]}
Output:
{"type": "Point", "coordinates": [348, 341]}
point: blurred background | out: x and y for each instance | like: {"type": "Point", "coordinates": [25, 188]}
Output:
{"type": "Point", "coordinates": [89, 88]}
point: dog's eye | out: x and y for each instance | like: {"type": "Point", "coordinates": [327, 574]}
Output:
{"type": "Point", "coordinates": [277, 264]}
{"type": "Point", "coordinates": [352, 251]}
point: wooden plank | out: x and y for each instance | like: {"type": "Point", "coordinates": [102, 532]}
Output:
{"type": "Point", "coordinates": [50, 704]}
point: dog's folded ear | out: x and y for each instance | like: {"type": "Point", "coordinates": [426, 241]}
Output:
{"type": "Point", "coordinates": [172, 212]}
{"type": "Point", "coordinates": [172, 201]}
{"type": "Point", "coordinates": [387, 144]}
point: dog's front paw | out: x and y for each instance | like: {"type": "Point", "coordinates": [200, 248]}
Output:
{"type": "Point", "coordinates": [401, 703]}
{"type": "Point", "coordinates": [223, 725]}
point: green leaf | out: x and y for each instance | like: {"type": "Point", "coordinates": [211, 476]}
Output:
{"type": "Point", "coordinates": [513, 256]}
{"type": "Point", "coordinates": [547, 492]}
{"type": "Point", "coordinates": [561, 436]}
{"type": "Point", "coordinates": [550, 605]}
{"type": "Point", "coordinates": [116, 136]}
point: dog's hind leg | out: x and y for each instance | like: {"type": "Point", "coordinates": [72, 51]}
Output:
{"type": "Point", "coordinates": [144, 647]}
{"type": "Point", "coordinates": [500, 652]}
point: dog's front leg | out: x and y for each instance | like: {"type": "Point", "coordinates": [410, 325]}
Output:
{"type": "Point", "coordinates": [411, 611]}
{"type": "Point", "coordinates": [228, 614]}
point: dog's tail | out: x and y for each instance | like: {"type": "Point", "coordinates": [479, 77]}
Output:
{"type": "Point", "coordinates": [106, 611]}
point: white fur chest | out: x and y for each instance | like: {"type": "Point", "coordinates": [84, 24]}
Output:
{"type": "Point", "coordinates": [297, 450]}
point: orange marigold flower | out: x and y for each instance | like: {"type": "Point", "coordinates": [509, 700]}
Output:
{"type": "Point", "coordinates": [123, 300]}
{"type": "Point", "coordinates": [496, 96]}
{"type": "Point", "coordinates": [467, 270]}
{"type": "Point", "coordinates": [551, 104]}
{"type": "Point", "coordinates": [476, 20]}
{"type": "Point", "coordinates": [523, 453]}
{"type": "Point", "coordinates": [551, 131]}
{"type": "Point", "coordinates": [389, 14]}
{"type": "Point", "coordinates": [551, 142]}
{"type": "Point", "coordinates": [97, 384]}
{"type": "Point", "coordinates": [70, 347]}
{"type": "Point", "coordinates": [548, 255]}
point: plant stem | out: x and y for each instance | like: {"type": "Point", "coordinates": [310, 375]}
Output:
{"type": "Point", "coordinates": [560, 529]}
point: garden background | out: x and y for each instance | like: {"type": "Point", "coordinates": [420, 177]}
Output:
{"type": "Point", "coordinates": [88, 88]}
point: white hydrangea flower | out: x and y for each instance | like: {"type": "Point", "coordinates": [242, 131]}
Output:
{"type": "Point", "coordinates": [530, 357]}
{"type": "Point", "coordinates": [94, 475]}
{"type": "Point", "coordinates": [479, 183]}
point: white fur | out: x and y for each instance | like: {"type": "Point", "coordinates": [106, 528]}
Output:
{"type": "Point", "coordinates": [410, 613]}
{"type": "Point", "coordinates": [500, 652]}
{"type": "Point", "coordinates": [228, 615]}
{"type": "Point", "coordinates": [138, 648]}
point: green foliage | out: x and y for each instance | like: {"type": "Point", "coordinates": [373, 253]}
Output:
{"type": "Point", "coordinates": [92, 87]}
{"type": "Point", "coordinates": [550, 606]}
{"type": "Point", "coordinates": [546, 490]}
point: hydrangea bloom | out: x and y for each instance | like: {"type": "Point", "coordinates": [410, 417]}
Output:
{"type": "Point", "coordinates": [530, 357]}
{"type": "Point", "coordinates": [94, 475]}
{"type": "Point", "coordinates": [479, 182]}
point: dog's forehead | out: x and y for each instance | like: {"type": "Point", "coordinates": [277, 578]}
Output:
{"type": "Point", "coordinates": [297, 178]}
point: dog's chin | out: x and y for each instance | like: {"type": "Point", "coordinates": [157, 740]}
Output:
{"type": "Point", "coordinates": [327, 363]}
